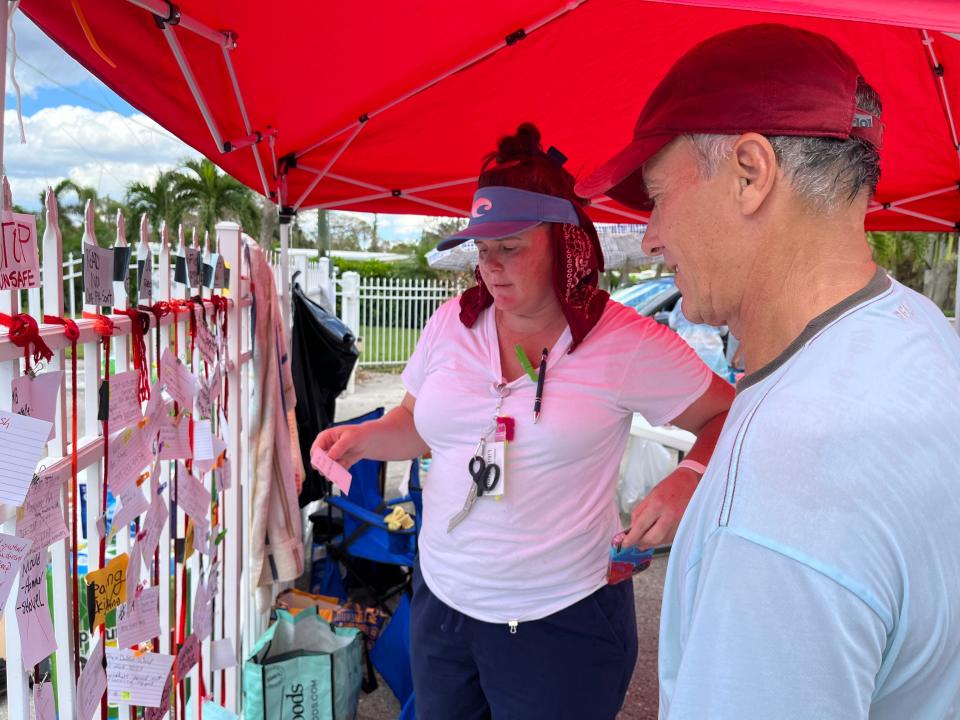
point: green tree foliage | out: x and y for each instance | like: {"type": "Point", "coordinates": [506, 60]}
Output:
{"type": "Point", "coordinates": [160, 202]}
{"type": "Point", "coordinates": [212, 196]}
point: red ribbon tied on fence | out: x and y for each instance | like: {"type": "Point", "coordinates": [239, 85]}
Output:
{"type": "Point", "coordinates": [25, 332]}
{"type": "Point", "coordinates": [102, 324]}
{"type": "Point", "coordinates": [140, 324]}
{"type": "Point", "coordinates": [70, 329]}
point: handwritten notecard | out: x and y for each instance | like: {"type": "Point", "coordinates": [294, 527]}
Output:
{"type": "Point", "coordinates": [333, 470]}
{"type": "Point", "coordinates": [178, 381]}
{"type": "Point", "coordinates": [145, 272]}
{"type": "Point", "coordinates": [202, 615]}
{"type": "Point", "coordinates": [202, 441]}
{"type": "Point", "coordinates": [36, 397]}
{"type": "Point", "coordinates": [92, 684]}
{"type": "Point", "coordinates": [21, 445]}
{"type": "Point", "coordinates": [190, 495]}
{"type": "Point", "coordinates": [19, 260]}
{"type": "Point", "coordinates": [207, 343]}
{"type": "Point", "coordinates": [139, 622]}
{"type": "Point", "coordinates": [12, 552]}
{"type": "Point", "coordinates": [175, 439]}
{"type": "Point", "coordinates": [134, 567]}
{"type": "Point", "coordinates": [132, 505]}
{"type": "Point", "coordinates": [37, 640]}
{"type": "Point", "coordinates": [153, 525]}
{"type": "Point", "coordinates": [194, 266]}
{"type": "Point", "coordinates": [42, 520]}
{"type": "Point", "coordinates": [107, 589]}
{"type": "Point", "coordinates": [188, 656]}
{"type": "Point", "coordinates": [124, 400]}
{"type": "Point", "coordinates": [136, 678]}
{"type": "Point", "coordinates": [204, 399]}
{"type": "Point", "coordinates": [97, 275]}
{"type": "Point", "coordinates": [43, 705]}
{"type": "Point", "coordinates": [129, 455]}
{"type": "Point", "coordinates": [158, 713]}
{"type": "Point", "coordinates": [222, 655]}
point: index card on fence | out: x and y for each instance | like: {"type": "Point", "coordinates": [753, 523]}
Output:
{"type": "Point", "coordinates": [207, 342]}
{"type": "Point", "coordinates": [129, 454]}
{"type": "Point", "coordinates": [37, 640]}
{"type": "Point", "coordinates": [157, 407]}
{"type": "Point", "coordinates": [222, 655]}
{"type": "Point", "coordinates": [134, 678]}
{"type": "Point", "coordinates": [139, 621]}
{"type": "Point", "coordinates": [194, 266]}
{"type": "Point", "coordinates": [175, 439]}
{"type": "Point", "coordinates": [132, 505]}
{"type": "Point", "coordinates": [19, 260]}
{"type": "Point", "coordinates": [124, 400]}
{"type": "Point", "coordinates": [190, 495]}
{"type": "Point", "coordinates": [133, 573]}
{"type": "Point", "coordinates": [202, 441]}
{"type": "Point", "coordinates": [92, 684]}
{"type": "Point", "coordinates": [43, 706]}
{"type": "Point", "coordinates": [153, 525]}
{"type": "Point", "coordinates": [21, 445]}
{"type": "Point", "coordinates": [107, 589]}
{"type": "Point", "coordinates": [204, 399]}
{"type": "Point", "coordinates": [12, 552]}
{"type": "Point", "coordinates": [43, 521]}
{"type": "Point", "coordinates": [97, 275]}
{"type": "Point", "coordinates": [180, 383]}
{"type": "Point", "coordinates": [145, 273]}
{"type": "Point", "coordinates": [333, 470]}
{"type": "Point", "coordinates": [187, 657]}
{"type": "Point", "coordinates": [158, 713]}
{"type": "Point", "coordinates": [202, 622]}
{"type": "Point", "coordinates": [36, 397]}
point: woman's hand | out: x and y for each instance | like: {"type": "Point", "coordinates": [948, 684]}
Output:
{"type": "Point", "coordinates": [656, 517]}
{"type": "Point", "coordinates": [344, 443]}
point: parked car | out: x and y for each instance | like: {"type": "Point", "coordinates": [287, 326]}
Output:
{"type": "Point", "coordinates": [652, 298]}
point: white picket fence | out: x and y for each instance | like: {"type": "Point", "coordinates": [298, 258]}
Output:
{"type": "Point", "coordinates": [233, 614]}
{"type": "Point", "coordinates": [387, 315]}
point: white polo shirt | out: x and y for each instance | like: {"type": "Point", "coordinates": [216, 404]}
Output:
{"type": "Point", "coordinates": [816, 571]}
{"type": "Point", "coordinates": [544, 545]}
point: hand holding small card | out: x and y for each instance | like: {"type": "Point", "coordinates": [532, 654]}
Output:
{"type": "Point", "coordinates": [331, 469]}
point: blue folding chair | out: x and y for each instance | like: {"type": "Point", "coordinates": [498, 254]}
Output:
{"type": "Point", "coordinates": [391, 656]}
{"type": "Point", "coordinates": [365, 534]}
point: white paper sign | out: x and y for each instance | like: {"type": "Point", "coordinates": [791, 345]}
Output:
{"type": "Point", "coordinates": [36, 397]}
{"type": "Point", "coordinates": [222, 655]}
{"type": "Point", "coordinates": [19, 260]}
{"type": "Point", "coordinates": [132, 505]}
{"type": "Point", "coordinates": [333, 470]}
{"type": "Point", "coordinates": [190, 495]}
{"type": "Point", "coordinates": [194, 266]}
{"type": "Point", "coordinates": [153, 525]}
{"type": "Point", "coordinates": [92, 684]}
{"type": "Point", "coordinates": [21, 445]}
{"type": "Point", "coordinates": [202, 441]}
{"type": "Point", "coordinates": [134, 570]}
{"type": "Point", "coordinates": [207, 343]}
{"type": "Point", "coordinates": [179, 382]}
{"type": "Point", "coordinates": [12, 552]}
{"type": "Point", "coordinates": [202, 618]}
{"type": "Point", "coordinates": [139, 621]}
{"type": "Point", "coordinates": [37, 640]}
{"type": "Point", "coordinates": [137, 679]}
{"type": "Point", "coordinates": [125, 407]}
{"type": "Point", "coordinates": [43, 521]}
{"type": "Point", "coordinates": [145, 268]}
{"type": "Point", "coordinates": [97, 275]}
{"type": "Point", "coordinates": [158, 713]}
{"type": "Point", "coordinates": [129, 455]}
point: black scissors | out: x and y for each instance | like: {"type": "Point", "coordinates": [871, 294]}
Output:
{"type": "Point", "coordinates": [485, 476]}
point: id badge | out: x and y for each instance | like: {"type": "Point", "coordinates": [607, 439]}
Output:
{"type": "Point", "coordinates": [496, 453]}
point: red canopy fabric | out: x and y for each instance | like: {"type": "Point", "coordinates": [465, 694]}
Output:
{"type": "Point", "coordinates": [439, 84]}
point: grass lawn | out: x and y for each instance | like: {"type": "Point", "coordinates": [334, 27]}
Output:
{"type": "Point", "coordinates": [387, 345]}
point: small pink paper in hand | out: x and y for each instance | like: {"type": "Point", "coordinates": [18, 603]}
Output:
{"type": "Point", "coordinates": [331, 469]}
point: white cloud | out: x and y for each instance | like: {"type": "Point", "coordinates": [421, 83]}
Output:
{"type": "Point", "coordinates": [39, 50]}
{"type": "Point", "coordinates": [104, 150]}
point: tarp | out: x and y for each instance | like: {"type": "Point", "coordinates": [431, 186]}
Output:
{"type": "Point", "coordinates": [425, 88]}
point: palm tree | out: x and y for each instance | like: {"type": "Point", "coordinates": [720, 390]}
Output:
{"type": "Point", "coordinates": [214, 196]}
{"type": "Point", "coordinates": [160, 202]}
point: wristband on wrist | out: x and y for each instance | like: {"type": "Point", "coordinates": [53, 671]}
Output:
{"type": "Point", "coordinates": [698, 468]}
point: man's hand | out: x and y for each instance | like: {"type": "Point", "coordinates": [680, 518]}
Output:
{"type": "Point", "coordinates": [656, 517]}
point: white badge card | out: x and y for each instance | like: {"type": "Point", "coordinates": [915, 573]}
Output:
{"type": "Point", "coordinates": [495, 453]}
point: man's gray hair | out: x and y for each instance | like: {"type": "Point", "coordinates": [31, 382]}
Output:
{"type": "Point", "coordinates": [827, 172]}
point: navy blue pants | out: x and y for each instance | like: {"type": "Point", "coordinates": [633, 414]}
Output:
{"type": "Point", "coordinates": [576, 663]}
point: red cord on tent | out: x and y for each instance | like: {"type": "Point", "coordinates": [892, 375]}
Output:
{"type": "Point", "coordinates": [72, 333]}
{"type": "Point", "coordinates": [140, 324]}
{"type": "Point", "coordinates": [25, 332]}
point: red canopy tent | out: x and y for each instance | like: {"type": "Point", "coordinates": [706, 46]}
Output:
{"type": "Point", "coordinates": [389, 107]}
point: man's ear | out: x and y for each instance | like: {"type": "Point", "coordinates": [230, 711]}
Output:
{"type": "Point", "coordinates": [754, 164]}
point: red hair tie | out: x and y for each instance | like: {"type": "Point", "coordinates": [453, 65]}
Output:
{"type": "Point", "coordinates": [25, 332]}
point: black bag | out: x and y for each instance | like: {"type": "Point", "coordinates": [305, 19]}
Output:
{"type": "Point", "coordinates": [324, 355]}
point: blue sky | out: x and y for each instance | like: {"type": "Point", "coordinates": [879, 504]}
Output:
{"type": "Point", "coordinates": [78, 128]}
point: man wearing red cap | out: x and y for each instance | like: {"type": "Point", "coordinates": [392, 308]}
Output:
{"type": "Point", "coordinates": [816, 572]}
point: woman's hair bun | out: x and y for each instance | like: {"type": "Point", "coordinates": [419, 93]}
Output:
{"type": "Point", "coordinates": [525, 143]}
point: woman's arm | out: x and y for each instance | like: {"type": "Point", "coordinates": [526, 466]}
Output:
{"type": "Point", "coordinates": [392, 437]}
{"type": "Point", "coordinates": [656, 517]}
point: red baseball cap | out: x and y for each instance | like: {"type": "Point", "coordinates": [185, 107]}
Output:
{"type": "Point", "coordinates": [769, 79]}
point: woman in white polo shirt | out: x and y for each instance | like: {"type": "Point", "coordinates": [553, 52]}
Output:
{"type": "Point", "coordinates": [512, 616]}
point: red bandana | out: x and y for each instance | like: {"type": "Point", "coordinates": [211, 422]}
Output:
{"type": "Point", "coordinates": [575, 276]}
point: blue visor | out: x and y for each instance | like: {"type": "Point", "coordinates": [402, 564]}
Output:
{"type": "Point", "coordinates": [500, 212]}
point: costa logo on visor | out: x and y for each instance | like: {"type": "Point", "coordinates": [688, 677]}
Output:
{"type": "Point", "coordinates": [499, 212]}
